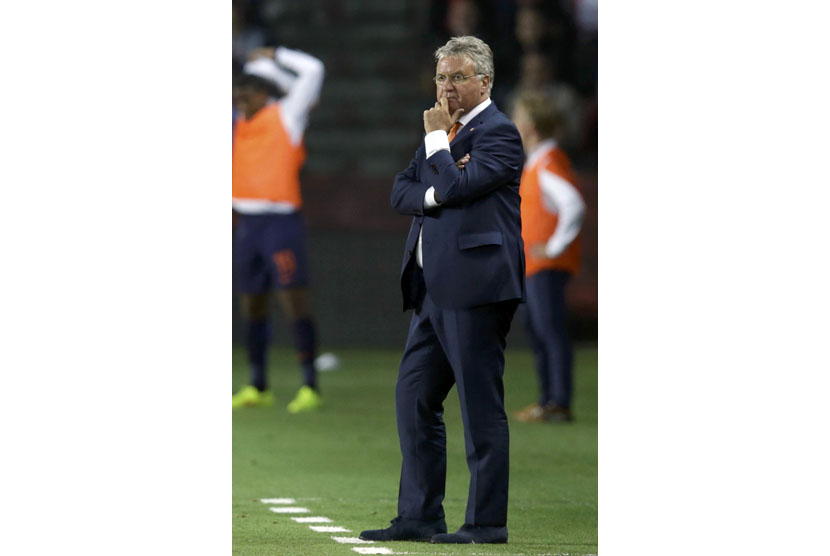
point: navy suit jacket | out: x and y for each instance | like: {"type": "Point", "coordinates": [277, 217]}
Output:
{"type": "Point", "coordinates": [472, 244]}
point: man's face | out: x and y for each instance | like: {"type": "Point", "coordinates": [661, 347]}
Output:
{"type": "Point", "coordinates": [468, 93]}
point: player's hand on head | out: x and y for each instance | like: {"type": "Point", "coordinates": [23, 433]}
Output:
{"type": "Point", "coordinates": [263, 52]}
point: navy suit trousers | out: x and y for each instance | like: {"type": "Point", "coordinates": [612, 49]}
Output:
{"type": "Point", "coordinates": [445, 347]}
{"type": "Point", "coordinates": [546, 329]}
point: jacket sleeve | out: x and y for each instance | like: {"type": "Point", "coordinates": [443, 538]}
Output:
{"type": "Point", "coordinates": [496, 159]}
{"type": "Point", "coordinates": [408, 191]}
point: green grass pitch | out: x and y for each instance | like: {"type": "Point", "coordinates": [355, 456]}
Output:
{"type": "Point", "coordinates": [343, 461]}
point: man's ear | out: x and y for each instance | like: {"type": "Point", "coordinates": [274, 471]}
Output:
{"type": "Point", "coordinates": [485, 82]}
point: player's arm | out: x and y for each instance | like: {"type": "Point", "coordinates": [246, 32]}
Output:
{"type": "Point", "coordinates": [408, 193]}
{"type": "Point", "coordinates": [284, 78]}
{"type": "Point", "coordinates": [303, 91]}
{"type": "Point", "coordinates": [561, 197]}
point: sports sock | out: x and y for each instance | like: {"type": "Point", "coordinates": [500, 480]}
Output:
{"type": "Point", "coordinates": [259, 333]}
{"type": "Point", "coordinates": [305, 342]}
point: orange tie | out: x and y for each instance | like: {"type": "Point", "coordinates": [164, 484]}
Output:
{"type": "Point", "coordinates": [453, 130]}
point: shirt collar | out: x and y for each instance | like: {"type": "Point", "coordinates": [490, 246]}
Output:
{"type": "Point", "coordinates": [541, 149]}
{"type": "Point", "coordinates": [465, 119]}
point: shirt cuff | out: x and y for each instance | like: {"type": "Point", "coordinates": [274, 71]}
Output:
{"type": "Point", "coordinates": [436, 141]}
{"type": "Point", "coordinates": [429, 199]}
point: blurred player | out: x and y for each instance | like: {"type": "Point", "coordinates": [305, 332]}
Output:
{"type": "Point", "coordinates": [269, 243]}
{"type": "Point", "coordinates": [552, 214]}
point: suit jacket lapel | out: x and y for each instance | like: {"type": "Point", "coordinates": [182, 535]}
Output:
{"type": "Point", "coordinates": [464, 134]}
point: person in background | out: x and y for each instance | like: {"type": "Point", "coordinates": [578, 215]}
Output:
{"type": "Point", "coordinates": [552, 214]}
{"type": "Point", "coordinates": [462, 273]}
{"type": "Point", "coordinates": [269, 243]}
{"type": "Point", "coordinates": [535, 76]}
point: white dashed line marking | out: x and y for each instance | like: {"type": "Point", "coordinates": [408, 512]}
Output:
{"type": "Point", "coordinates": [311, 519]}
{"type": "Point", "coordinates": [371, 550]}
{"type": "Point", "coordinates": [351, 540]}
{"type": "Point", "coordinates": [329, 529]}
{"type": "Point", "coordinates": [289, 510]}
{"type": "Point", "coordinates": [278, 501]}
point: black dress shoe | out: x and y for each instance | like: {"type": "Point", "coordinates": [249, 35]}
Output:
{"type": "Point", "coordinates": [468, 534]}
{"type": "Point", "coordinates": [406, 530]}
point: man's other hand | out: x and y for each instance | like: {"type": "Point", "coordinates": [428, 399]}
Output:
{"type": "Point", "coordinates": [461, 162]}
{"type": "Point", "coordinates": [438, 117]}
{"type": "Point", "coordinates": [537, 250]}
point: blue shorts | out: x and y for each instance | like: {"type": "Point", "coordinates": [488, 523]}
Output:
{"type": "Point", "coordinates": [269, 252]}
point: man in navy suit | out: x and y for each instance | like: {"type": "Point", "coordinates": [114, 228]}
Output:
{"type": "Point", "coordinates": [463, 274]}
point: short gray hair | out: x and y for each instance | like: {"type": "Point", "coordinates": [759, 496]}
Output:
{"type": "Point", "coordinates": [473, 48]}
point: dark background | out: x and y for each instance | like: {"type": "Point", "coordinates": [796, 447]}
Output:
{"type": "Point", "coordinates": [368, 124]}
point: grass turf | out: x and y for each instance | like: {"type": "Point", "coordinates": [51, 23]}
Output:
{"type": "Point", "coordinates": [343, 461]}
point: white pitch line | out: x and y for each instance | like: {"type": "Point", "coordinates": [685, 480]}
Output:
{"type": "Point", "coordinates": [278, 501]}
{"type": "Point", "coordinates": [371, 550]}
{"type": "Point", "coordinates": [290, 510]}
{"type": "Point", "coordinates": [351, 540]}
{"type": "Point", "coordinates": [311, 519]}
{"type": "Point", "coordinates": [492, 554]}
{"type": "Point", "coordinates": [329, 529]}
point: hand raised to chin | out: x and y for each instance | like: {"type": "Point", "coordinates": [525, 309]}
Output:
{"type": "Point", "coordinates": [438, 117]}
